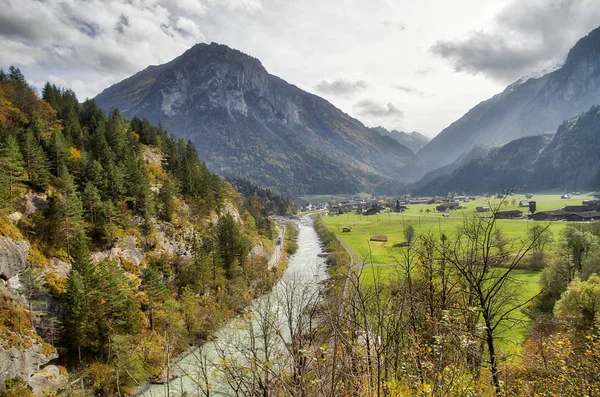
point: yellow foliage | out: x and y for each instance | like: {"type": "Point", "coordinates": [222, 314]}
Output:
{"type": "Point", "coordinates": [57, 285]}
{"type": "Point", "coordinates": [36, 258]}
{"type": "Point", "coordinates": [74, 153]}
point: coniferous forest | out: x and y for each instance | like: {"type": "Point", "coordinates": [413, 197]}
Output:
{"type": "Point", "coordinates": [136, 250]}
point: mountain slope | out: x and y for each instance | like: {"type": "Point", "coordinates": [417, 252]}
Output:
{"type": "Point", "coordinates": [246, 122]}
{"type": "Point", "coordinates": [508, 166]}
{"type": "Point", "coordinates": [527, 107]}
{"type": "Point", "coordinates": [571, 161]}
{"type": "Point", "coordinates": [412, 140]}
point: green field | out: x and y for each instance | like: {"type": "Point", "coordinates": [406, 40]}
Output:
{"type": "Point", "coordinates": [386, 257]}
{"type": "Point", "coordinates": [527, 286]}
{"type": "Point", "coordinates": [392, 225]}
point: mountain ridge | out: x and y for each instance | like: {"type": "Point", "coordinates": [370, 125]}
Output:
{"type": "Point", "coordinates": [247, 122]}
{"type": "Point", "coordinates": [534, 106]}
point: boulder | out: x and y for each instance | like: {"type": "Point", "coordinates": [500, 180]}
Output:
{"type": "Point", "coordinates": [48, 380]}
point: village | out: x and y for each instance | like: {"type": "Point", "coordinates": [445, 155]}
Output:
{"type": "Point", "coordinates": [585, 210]}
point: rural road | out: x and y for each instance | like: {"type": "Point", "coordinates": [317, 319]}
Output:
{"type": "Point", "coordinates": [278, 252]}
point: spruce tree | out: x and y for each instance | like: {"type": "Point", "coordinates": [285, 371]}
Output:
{"type": "Point", "coordinates": [77, 315]}
{"type": "Point", "coordinates": [36, 162]}
{"type": "Point", "coordinates": [12, 171]}
{"type": "Point", "coordinates": [156, 291]}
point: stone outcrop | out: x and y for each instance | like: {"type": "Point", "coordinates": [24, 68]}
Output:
{"type": "Point", "coordinates": [48, 380]}
{"type": "Point", "coordinates": [13, 257]}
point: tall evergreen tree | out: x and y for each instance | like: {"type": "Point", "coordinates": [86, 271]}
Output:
{"type": "Point", "coordinates": [77, 316]}
{"type": "Point", "coordinates": [15, 75]}
{"type": "Point", "coordinates": [12, 171]}
{"type": "Point", "coordinates": [156, 291]}
{"type": "Point", "coordinates": [36, 162]}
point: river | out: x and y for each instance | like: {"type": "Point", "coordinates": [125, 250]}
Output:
{"type": "Point", "coordinates": [249, 341]}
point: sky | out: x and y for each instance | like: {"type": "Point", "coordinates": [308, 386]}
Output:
{"type": "Point", "coordinates": [405, 65]}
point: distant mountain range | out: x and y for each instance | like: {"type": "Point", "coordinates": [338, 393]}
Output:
{"type": "Point", "coordinates": [531, 106]}
{"type": "Point", "coordinates": [569, 160]}
{"type": "Point", "coordinates": [412, 140]}
{"type": "Point", "coordinates": [247, 122]}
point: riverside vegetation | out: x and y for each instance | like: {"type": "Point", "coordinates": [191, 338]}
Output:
{"type": "Point", "coordinates": [160, 250]}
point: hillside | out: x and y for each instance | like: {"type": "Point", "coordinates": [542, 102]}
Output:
{"type": "Point", "coordinates": [568, 160]}
{"type": "Point", "coordinates": [530, 106]}
{"type": "Point", "coordinates": [505, 167]}
{"type": "Point", "coordinates": [248, 123]}
{"type": "Point", "coordinates": [118, 248]}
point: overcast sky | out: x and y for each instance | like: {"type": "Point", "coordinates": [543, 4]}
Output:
{"type": "Point", "coordinates": [409, 65]}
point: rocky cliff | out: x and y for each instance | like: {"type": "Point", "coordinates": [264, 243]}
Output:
{"type": "Point", "coordinates": [247, 122]}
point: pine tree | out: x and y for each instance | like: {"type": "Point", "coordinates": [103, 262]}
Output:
{"type": "Point", "coordinates": [77, 315]}
{"type": "Point", "coordinates": [232, 247]}
{"type": "Point", "coordinates": [92, 203]}
{"type": "Point", "coordinates": [12, 171]}
{"type": "Point", "coordinates": [64, 215]}
{"type": "Point", "coordinates": [36, 162]}
{"type": "Point", "coordinates": [15, 74]}
{"type": "Point", "coordinates": [115, 133]}
{"type": "Point", "coordinates": [59, 153]}
{"type": "Point", "coordinates": [156, 291]}
{"type": "Point", "coordinates": [167, 200]}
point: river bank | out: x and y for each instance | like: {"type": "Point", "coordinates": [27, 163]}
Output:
{"type": "Point", "coordinates": [213, 366]}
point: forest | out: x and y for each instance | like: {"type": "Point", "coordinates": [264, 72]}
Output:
{"type": "Point", "coordinates": [158, 251]}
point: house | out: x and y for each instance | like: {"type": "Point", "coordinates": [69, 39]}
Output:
{"type": "Point", "coordinates": [371, 211]}
{"type": "Point", "coordinates": [555, 215]}
{"type": "Point", "coordinates": [482, 209]}
{"type": "Point", "coordinates": [524, 203]}
{"type": "Point", "coordinates": [447, 206]}
{"type": "Point", "coordinates": [591, 203]}
{"type": "Point", "coordinates": [577, 208]}
{"type": "Point", "coordinates": [514, 214]}
{"type": "Point", "coordinates": [584, 216]}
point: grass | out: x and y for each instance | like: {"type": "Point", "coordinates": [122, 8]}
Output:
{"type": "Point", "coordinates": [392, 224]}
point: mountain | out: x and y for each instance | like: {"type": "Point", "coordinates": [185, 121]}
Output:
{"type": "Point", "coordinates": [504, 167]}
{"type": "Point", "coordinates": [246, 122]}
{"type": "Point", "coordinates": [412, 140]}
{"type": "Point", "coordinates": [568, 160]}
{"type": "Point", "coordinates": [571, 161]}
{"type": "Point", "coordinates": [531, 106]}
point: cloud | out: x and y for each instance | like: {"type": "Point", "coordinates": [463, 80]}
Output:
{"type": "Point", "coordinates": [408, 90]}
{"type": "Point", "coordinates": [393, 24]}
{"type": "Point", "coordinates": [113, 38]}
{"type": "Point", "coordinates": [374, 109]}
{"type": "Point", "coordinates": [341, 86]}
{"type": "Point", "coordinates": [524, 37]}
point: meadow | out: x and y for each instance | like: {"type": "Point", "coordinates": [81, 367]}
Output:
{"type": "Point", "coordinates": [381, 258]}
{"type": "Point", "coordinates": [392, 224]}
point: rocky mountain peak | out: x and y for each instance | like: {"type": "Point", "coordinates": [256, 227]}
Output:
{"type": "Point", "coordinates": [247, 122]}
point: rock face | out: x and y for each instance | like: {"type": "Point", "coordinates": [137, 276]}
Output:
{"type": "Point", "coordinates": [22, 352]}
{"type": "Point", "coordinates": [126, 248]}
{"type": "Point", "coordinates": [247, 122]}
{"type": "Point", "coordinates": [13, 257]}
{"type": "Point", "coordinates": [530, 106]}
